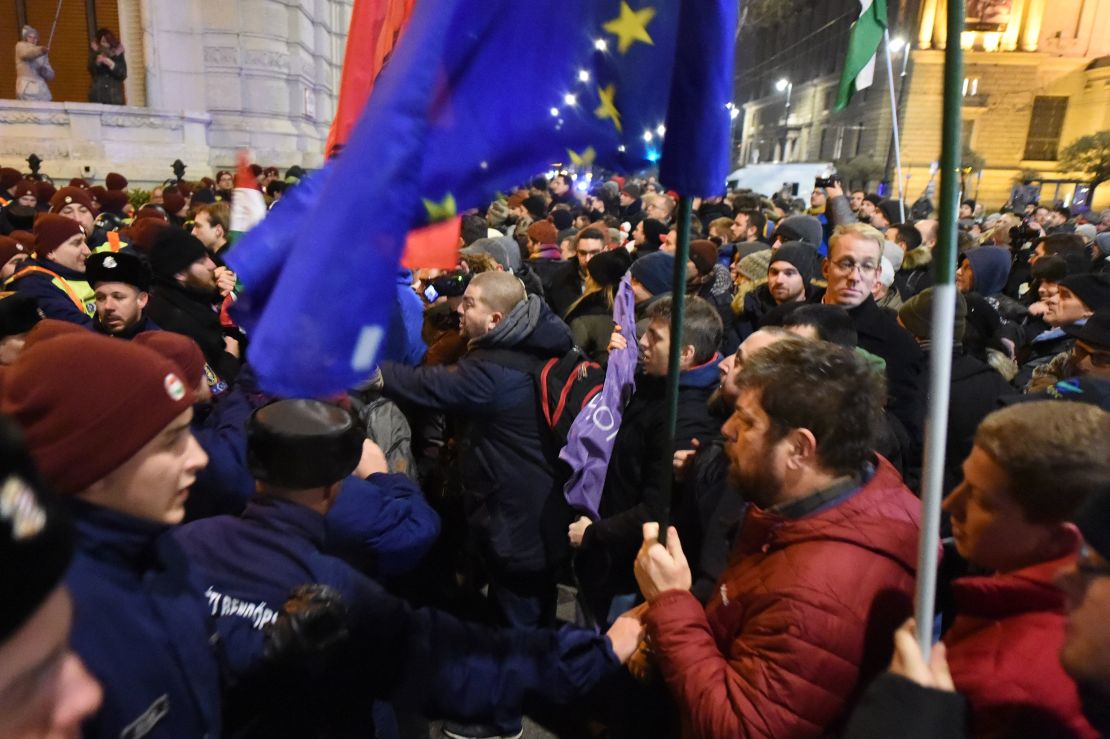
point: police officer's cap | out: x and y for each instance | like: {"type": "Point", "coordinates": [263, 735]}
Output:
{"type": "Point", "coordinates": [118, 267]}
{"type": "Point", "coordinates": [301, 444]}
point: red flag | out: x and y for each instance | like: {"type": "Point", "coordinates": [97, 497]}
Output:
{"type": "Point", "coordinates": [373, 32]}
{"type": "Point", "coordinates": [435, 245]}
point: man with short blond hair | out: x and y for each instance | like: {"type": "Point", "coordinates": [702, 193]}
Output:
{"type": "Point", "coordinates": [851, 269]}
{"type": "Point", "coordinates": [659, 207]}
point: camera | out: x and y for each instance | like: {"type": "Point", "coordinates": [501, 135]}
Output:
{"type": "Point", "coordinates": [830, 181]}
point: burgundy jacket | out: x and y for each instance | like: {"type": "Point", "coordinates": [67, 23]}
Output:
{"type": "Point", "coordinates": [1004, 655]}
{"type": "Point", "coordinates": [802, 619]}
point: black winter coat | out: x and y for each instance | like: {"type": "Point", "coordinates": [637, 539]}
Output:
{"type": "Point", "coordinates": [976, 389]}
{"type": "Point", "coordinates": [906, 369]}
{"type": "Point", "coordinates": [197, 316]}
{"type": "Point", "coordinates": [633, 492]}
{"type": "Point", "coordinates": [508, 464]}
{"type": "Point", "coordinates": [563, 287]}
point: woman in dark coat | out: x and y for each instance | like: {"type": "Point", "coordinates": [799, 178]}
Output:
{"type": "Point", "coordinates": [591, 316]}
{"type": "Point", "coordinates": [108, 69]}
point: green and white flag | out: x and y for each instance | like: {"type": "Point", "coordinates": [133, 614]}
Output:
{"type": "Point", "coordinates": [863, 48]}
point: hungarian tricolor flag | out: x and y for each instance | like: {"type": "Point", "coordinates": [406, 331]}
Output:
{"type": "Point", "coordinates": [863, 48]}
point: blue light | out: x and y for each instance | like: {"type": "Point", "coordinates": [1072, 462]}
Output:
{"type": "Point", "coordinates": [652, 155]}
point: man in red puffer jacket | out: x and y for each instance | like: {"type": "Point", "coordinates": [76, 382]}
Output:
{"type": "Point", "coordinates": [823, 568]}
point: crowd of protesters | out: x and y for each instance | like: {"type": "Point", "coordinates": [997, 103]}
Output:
{"type": "Point", "coordinates": [186, 555]}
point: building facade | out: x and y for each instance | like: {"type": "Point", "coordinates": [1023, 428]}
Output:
{"type": "Point", "coordinates": [205, 79]}
{"type": "Point", "coordinates": [1037, 77]}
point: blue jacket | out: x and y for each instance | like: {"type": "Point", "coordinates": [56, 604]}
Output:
{"type": "Point", "coordinates": [381, 524]}
{"type": "Point", "coordinates": [404, 343]}
{"type": "Point", "coordinates": [507, 459]}
{"type": "Point", "coordinates": [420, 658]}
{"type": "Point", "coordinates": [225, 484]}
{"type": "Point", "coordinates": [52, 300]}
{"type": "Point", "coordinates": [141, 630]}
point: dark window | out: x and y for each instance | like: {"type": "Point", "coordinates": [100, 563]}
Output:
{"type": "Point", "coordinates": [1045, 126]}
{"type": "Point", "coordinates": [967, 130]}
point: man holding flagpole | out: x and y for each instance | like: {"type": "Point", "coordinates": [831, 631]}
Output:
{"type": "Point", "coordinates": [822, 567]}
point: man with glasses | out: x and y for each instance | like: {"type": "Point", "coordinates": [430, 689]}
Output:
{"type": "Point", "coordinates": [660, 207]}
{"type": "Point", "coordinates": [855, 253]}
{"type": "Point", "coordinates": [568, 282]}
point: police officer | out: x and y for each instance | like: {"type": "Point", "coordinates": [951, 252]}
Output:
{"type": "Point", "coordinates": [121, 285]}
{"type": "Point", "coordinates": [300, 452]}
{"type": "Point", "coordinates": [124, 461]}
{"type": "Point", "coordinates": [45, 690]}
{"type": "Point", "coordinates": [56, 276]}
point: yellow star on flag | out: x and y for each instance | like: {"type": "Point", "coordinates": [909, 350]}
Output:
{"type": "Point", "coordinates": [585, 159]}
{"type": "Point", "coordinates": [631, 26]}
{"type": "Point", "coordinates": [441, 211]}
{"type": "Point", "coordinates": [607, 109]}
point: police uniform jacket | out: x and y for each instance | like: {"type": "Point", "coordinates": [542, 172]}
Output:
{"type": "Point", "coordinates": [419, 658]}
{"type": "Point", "coordinates": [140, 627]}
{"type": "Point", "coordinates": [53, 298]}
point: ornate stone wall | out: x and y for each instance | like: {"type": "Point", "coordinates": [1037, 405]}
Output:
{"type": "Point", "coordinates": [215, 76]}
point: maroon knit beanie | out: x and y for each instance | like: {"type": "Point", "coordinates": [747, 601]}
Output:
{"type": "Point", "coordinates": [10, 248]}
{"type": "Point", "coordinates": [97, 193]}
{"type": "Point", "coordinates": [52, 230]}
{"type": "Point", "coordinates": [64, 421]}
{"type": "Point", "coordinates": [114, 201]}
{"type": "Point", "coordinates": [173, 201]}
{"type": "Point", "coordinates": [8, 177]}
{"type": "Point", "coordinates": [115, 181]}
{"type": "Point", "coordinates": [24, 237]}
{"type": "Point", "coordinates": [25, 187]}
{"type": "Point", "coordinates": [179, 349]}
{"type": "Point", "coordinates": [703, 254]}
{"type": "Point", "coordinates": [142, 233]}
{"type": "Point", "coordinates": [80, 182]}
{"type": "Point", "coordinates": [51, 328]}
{"type": "Point", "coordinates": [44, 191]}
{"type": "Point", "coordinates": [68, 195]}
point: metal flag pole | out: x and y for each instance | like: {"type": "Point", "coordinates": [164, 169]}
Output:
{"type": "Point", "coordinates": [674, 361]}
{"type": "Point", "coordinates": [944, 314]}
{"type": "Point", "coordinates": [894, 123]}
{"type": "Point", "coordinates": [54, 26]}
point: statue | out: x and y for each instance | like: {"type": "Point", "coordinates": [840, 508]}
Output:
{"type": "Point", "coordinates": [32, 67]}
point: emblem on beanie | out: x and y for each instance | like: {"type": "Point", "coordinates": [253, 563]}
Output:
{"type": "Point", "coordinates": [110, 263]}
{"type": "Point", "coordinates": [174, 387]}
{"type": "Point", "coordinates": [19, 506]}
{"type": "Point", "coordinates": [69, 199]}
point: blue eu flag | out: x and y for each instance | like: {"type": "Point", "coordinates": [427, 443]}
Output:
{"type": "Point", "coordinates": [479, 96]}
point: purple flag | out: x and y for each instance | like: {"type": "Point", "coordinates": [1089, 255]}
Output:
{"type": "Point", "coordinates": [590, 440]}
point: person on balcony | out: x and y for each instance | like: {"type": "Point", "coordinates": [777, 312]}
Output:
{"type": "Point", "coordinates": [108, 69]}
{"type": "Point", "coordinates": [32, 67]}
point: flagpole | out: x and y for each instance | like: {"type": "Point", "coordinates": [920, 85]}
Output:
{"type": "Point", "coordinates": [944, 314]}
{"type": "Point", "coordinates": [894, 123]}
{"type": "Point", "coordinates": [674, 360]}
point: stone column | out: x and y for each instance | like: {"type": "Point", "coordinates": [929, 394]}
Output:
{"type": "Point", "coordinates": [1010, 37]}
{"type": "Point", "coordinates": [1032, 32]}
{"type": "Point", "coordinates": [928, 19]}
